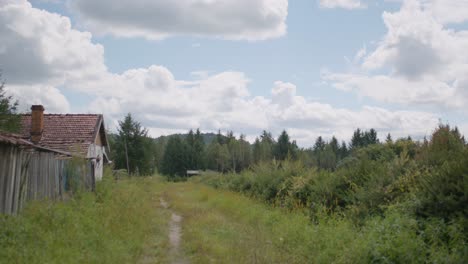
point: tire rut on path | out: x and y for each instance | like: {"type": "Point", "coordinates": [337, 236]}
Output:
{"type": "Point", "coordinates": [175, 234]}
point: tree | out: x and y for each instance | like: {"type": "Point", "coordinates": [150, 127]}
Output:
{"type": "Point", "coordinates": [175, 157]}
{"type": "Point", "coordinates": [198, 150]}
{"type": "Point", "coordinates": [319, 144]}
{"type": "Point", "coordinates": [220, 138]}
{"type": "Point", "coordinates": [389, 139]}
{"type": "Point", "coordinates": [190, 145]}
{"type": "Point", "coordinates": [9, 120]}
{"type": "Point", "coordinates": [343, 151]}
{"type": "Point", "coordinates": [133, 149]}
{"type": "Point", "coordinates": [284, 148]}
{"type": "Point", "coordinates": [245, 156]}
{"type": "Point", "coordinates": [263, 147]}
{"type": "Point", "coordinates": [370, 137]}
{"type": "Point", "coordinates": [334, 145]}
{"type": "Point", "coordinates": [217, 156]}
{"type": "Point", "coordinates": [234, 151]}
{"type": "Point", "coordinates": [362, 139]}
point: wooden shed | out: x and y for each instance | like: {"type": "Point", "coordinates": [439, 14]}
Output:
{"type": "Point", "coordinates": [29, 172]}
{"type": "Point", "coordinates": [79, 134]}
{"type": "Point", "coordinates": [40, 162]}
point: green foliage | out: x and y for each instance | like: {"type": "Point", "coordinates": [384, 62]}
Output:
{"type": "Point", "coordinates": [443, 191]}
{"type": "Point", "coordinates": [133, 149]}
{"type": "Point", "coordinates": [328, 155]}
{"type": "Point", "coordinates": [362, 139]}
{"type": "Point", "coordinates": [224, 227]}
{"type": "Point", "coordinates": [76, 172]}
{"type": "Point", "coordinates": [9, 119]}
{"type": "Point", "coordinates": [263, 148]}
{"type": "Point", "coordinates": [175, 159]}
{"type": "Point", "coordinates": [284, 148]}
{"type": "Point", "coordinates": [408, 199]}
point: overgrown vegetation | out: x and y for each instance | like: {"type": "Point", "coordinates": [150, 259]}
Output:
{"type": "Point", "coordinates": [119, 223]}
{"type": "Point", "coordinates": [407, 200]}
{"type": "Point", "coordinates": [224, 227]}
{"type": "Point", "coordinates": [132, 148]}
{"type": "Point", "coordinates": [9, 119]}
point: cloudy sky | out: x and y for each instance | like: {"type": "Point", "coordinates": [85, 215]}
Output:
{"type": "Point", "coordinates": [312, 67]}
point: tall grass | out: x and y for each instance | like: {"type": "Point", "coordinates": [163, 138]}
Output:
{"type": "Point", "coordinates": [119, 223]}
{"type": "Point", "coordinates": [225, 227]}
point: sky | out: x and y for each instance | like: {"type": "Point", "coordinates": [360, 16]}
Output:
{"type": "Point", "coordinates": [311, 67]}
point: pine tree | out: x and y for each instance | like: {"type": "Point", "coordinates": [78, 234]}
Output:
{"type": "Point", "coordinates": [389, 139]}
{"type": "Point", "coordinates": [284, 147]}
{"type": "Point", "coordinates": [263, 147]}
{"type": "Point", "coordinates": [319, 144]}
{"type": "Point", "coordinates": [190, 145]}
{"type": "Point", "coordinates": [133, 149]}
{"type": "Point", "coordinates": [334, 146]}
{"type": "Point", "coordinates": [343, 151]}
{"type": "Point", "coordinates": [175, 157]}
{"type": "Point", "coordinates": [199, 150]}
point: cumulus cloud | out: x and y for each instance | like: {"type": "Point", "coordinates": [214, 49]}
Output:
{"type": "Point", "coordinates": [419, 60]}
{"type": "Point", "coordinates": [448, 11]}
{"type": "Point", "coordinates": [64, 58]}
{"type": "Point", "coordinates": [222, 101]}
{"type": "Point", "coordinates": [38, 46]}
{"type": "Point", "coordinates": [229, 19]}
{"type": "Point", "coordinates": [50, 96]}
{"type": "Point", "coordinates": [346, 4]}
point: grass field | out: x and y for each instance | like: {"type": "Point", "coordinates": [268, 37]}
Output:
{"type": "Point", "coordinates": [225, 227]}
{"type": "Point", "coordinates": [123, 222]}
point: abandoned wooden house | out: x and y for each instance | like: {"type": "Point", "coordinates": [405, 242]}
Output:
{"type": "Point", "coordinates": [40, 162]}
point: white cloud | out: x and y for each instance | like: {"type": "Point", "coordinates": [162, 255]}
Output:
{"type": "Point", "coordinates": [40, 47]}
{"type": "Point", "coordinates": [418, 61]}
{"type": "Point", "coordinates": [228, 19]}
{"type": "Point", "coordinates": [65, 58]}
{"type": "Point", "coordinates": [222, 101]}
{"type": "Point", "coordinates": [346, 4]}
{"type": "Point", "coordinates": [448, 11]}
{"type": "Point", "coordinates": [50, 96]}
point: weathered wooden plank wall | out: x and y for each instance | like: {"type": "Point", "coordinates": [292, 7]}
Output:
{"type": "Point", "coordinates": [30, 174]}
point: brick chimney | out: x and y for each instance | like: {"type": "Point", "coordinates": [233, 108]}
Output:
{"type": "Point", "coordinates": [37, 123]}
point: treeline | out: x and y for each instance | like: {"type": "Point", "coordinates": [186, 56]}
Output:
{"type": "Point", "coordinates": [227, 153]}
{"type": "Point", "coordinates": [173, 155]}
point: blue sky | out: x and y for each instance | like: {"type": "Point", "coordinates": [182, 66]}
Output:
{"type": "Point", "coordinates": [308, 66]}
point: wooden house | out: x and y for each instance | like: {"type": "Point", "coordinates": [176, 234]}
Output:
{"type": "Point", "coordinates": [79, 134]}
{"type": "Point", "coordinates": [38, 162]}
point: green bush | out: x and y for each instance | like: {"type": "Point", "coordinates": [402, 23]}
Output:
{"type": "Point", "coordinates": [407, 200]}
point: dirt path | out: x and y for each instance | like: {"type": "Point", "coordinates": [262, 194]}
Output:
{"type": "Point", "coordinates": [175, 235]}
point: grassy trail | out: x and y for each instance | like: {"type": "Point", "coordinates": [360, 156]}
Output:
{"type": "Point", "coordinates": [223, 227]}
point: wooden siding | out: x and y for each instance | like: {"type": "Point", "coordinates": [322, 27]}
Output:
{"type": "Point", "coordinates": [32, 174]}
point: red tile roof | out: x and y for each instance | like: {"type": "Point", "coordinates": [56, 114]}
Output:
{"type": "Point", "coordinates": [69, 133]}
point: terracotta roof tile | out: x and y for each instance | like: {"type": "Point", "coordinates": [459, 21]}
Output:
{"type": "Point", "coordinates": [70, 132]}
